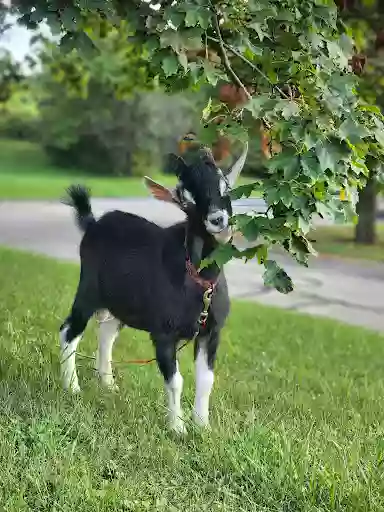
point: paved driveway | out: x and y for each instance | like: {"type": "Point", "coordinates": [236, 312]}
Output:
{"type": "Point", "coordinates": [350, 292]}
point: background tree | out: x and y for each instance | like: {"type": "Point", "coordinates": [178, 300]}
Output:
{"type": "Point", "coordinates": [365, 20]}
{"type": "Point", "coordinates": [101, 111]}
{"type": "Point", "coordinates": [4, 21]}
{"type": "Point", "coordinates": [291, 59]}
{"type": "Point", "coordinates": [10, 76]}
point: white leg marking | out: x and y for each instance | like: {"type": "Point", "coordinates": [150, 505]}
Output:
{"type": "Point", "coordinates": [174, 388]}
{"type": "Point", "coordinates": [108, 332]}
{"type": "Point", "coordinates": [204, 383]}
{"type": "Point", "coordinates": [68, 361]}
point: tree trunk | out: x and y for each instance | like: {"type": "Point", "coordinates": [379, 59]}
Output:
{"type": "Point", "coordinates": [365, 232]}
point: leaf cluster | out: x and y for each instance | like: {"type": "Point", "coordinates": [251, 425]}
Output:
{"type": "Point", "coordinates": [292, 60]}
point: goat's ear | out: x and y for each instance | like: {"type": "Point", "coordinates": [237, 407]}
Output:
{"type": "Point", "coordinates": [163, 194]}
{"type": "Point", "coordinates": [159, 191]}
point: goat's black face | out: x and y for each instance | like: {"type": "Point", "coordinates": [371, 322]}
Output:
{"type": "Point", "coordinates": [203, 184]}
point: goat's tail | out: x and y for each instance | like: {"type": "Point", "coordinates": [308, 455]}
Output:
{"type": "Point", "coordinates": [78, 197]}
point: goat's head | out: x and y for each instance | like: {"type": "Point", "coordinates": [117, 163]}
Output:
{"type": "Point", "coordinates": [203, 190]}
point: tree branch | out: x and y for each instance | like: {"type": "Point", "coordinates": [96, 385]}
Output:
{"type": "Point", "coordinates": [244, 59]}
{"type": "Point", "coordinates": [226, 62]}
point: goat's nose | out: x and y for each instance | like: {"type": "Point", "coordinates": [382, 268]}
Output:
{"type": "Point", "coordinates": [218, 219]}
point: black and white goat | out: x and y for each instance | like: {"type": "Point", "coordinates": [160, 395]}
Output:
{"type": "Point", "coordinates": [146, 277]}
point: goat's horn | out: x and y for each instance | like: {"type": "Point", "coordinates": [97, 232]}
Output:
{"type": "Point", "coordinates": [237, 167]}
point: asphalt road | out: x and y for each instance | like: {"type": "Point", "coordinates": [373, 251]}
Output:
{"type": "Point", "coordinates": [353, 293]}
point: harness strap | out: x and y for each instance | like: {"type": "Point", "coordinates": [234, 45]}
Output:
{"type": "Point", "coordinates": [204, 283]}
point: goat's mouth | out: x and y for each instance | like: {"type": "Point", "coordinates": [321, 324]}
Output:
{"type": "Point", "coordinates": [224, 236]}
{"type": "Point", "coordinates": [217, 225]}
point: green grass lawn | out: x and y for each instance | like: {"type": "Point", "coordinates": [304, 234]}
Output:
{"type": "Point", "coordinates": [26, 173]}
{"type": "Point", "coordinates": [297, 414]}
{"type": "Point", "coordinates": [338, 241]}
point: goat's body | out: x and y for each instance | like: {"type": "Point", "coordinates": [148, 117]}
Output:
{"type": "Point", "coordinates": [144, 276]}
{"type": "Point", "coordinates": [135, 269]}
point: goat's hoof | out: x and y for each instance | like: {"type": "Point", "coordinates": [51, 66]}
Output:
{"type": "Point", "coordinates": [74, 389]}
{"type": "Point", "coordinates": [108, 383]}
{"type": "Point", "coordinates": [200, 421]}
{"type": "Point", "coordinates": [112, 387]}
{"type": "Point", "coordinates": [178, 426]}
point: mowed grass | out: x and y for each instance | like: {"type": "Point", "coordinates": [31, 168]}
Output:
{"type": "Point", "coordinates": [297, 414]}
{"type": "Point", "coordinates": [339, 241]}
{"type": "Point", "coordinates": [26, 173]}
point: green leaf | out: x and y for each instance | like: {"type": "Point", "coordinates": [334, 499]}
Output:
{"type": "Point", "coordinates": [379, 135]}
{"type": "Point", "coordinates": [191, 17]}
{"type": "Point", "coordinates": [244, 190]}
{"type": "Point", "coordinates": [170, 65]}
{"type": "Point", "coordinates": [151, 45]}
{"type": "Point", "coordinates": [310, 140]}
{"type": "Point", "coordinates": [327, 158]}
{"type": "Point", "coordinates": [211, 73]}
{"type": "Point", "coordinates": [175, 17]}
{"type": "Point", "coordinates": [370, 108]}
{"type": "Point", "coordinates": [221, 255]}
{"type": "Point", "coordinates": [310, 166]}
{"type": "Point", "coordinates": [236, 132]}
{"type": "Point", "coordinates": [69, 17]}
{"type": "Point", "coordinates": [322, 209]}
{"type": "Point", "coordinates": [259, 29]}
{"type": "Point", "coordinates": [171, 38]}
{"type": "Point", "coordinates": [208, 134]}
{"type": "Point", "coordinates": [257, 104]}
{"type": "Point", "coordinates": [290, 109]}
{"type": "Point", "coordinates": [285, 194]}
{"type": "Point", "coordinates": [183, 60]}
{"type": "Point", "coordinates": [260, 251]}
{"type": "Point", "coordinates": [286, 161]}
{"type": "Point", "coordinates": [336, 54]}
{"type": "Point", "coordinates": [68, 43]}
{"type": "Point", "coordinates": [207, 110]}
{"type": "Point", "coordinates": [274, 276]}
{"type": "Point", "coordinates": [204, 18]}
{"type": "Point", "coordinates": [303, 224]}
{"type": "Point", "coordinates": [251, 230]}
{"type": "Point", "coordinates": [352, 131]}
{"type": "Point", "coordinates": [302, 245]}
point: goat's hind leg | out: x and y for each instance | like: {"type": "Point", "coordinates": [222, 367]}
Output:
{"type": "Point", "coordinates": [168, 365]}
{"type": "Point", "coordinates": [70, 335]}
{"type": "Point", "coordinates": [109, 328]}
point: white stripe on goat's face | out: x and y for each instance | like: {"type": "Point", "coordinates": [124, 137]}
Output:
{"type": "Point", "coordinates": [203, 185]}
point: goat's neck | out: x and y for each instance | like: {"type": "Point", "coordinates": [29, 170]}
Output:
{"type": "Point", "coordinates": [199, 246]}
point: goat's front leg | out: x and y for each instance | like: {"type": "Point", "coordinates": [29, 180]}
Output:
{"type": "Point", "coordinates": [108, 331]}
{"type": "Point", "coordinates": [166, 360]}
{"type": "Point", "coordinates": [205, 355]}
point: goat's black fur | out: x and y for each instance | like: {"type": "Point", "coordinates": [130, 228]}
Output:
{"type": "Point", "coordinates": [78, 198]}
{"type": "Point", "coordinates": [137, 271]}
